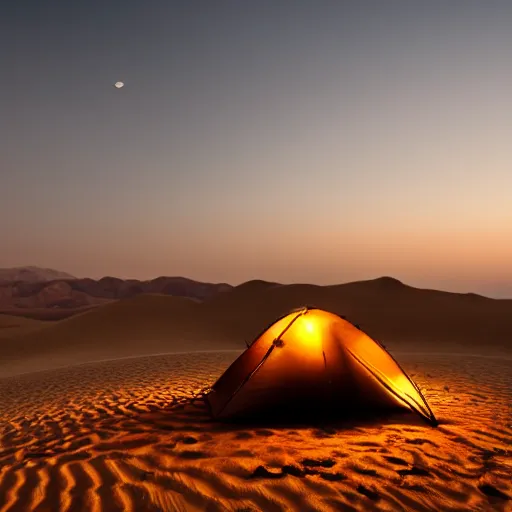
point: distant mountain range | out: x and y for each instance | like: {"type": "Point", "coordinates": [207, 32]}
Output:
{"type": "Point", "coordinates": [32, 291]}
{"type": "Point", "coordinates": [49, 294]}
{"type": "Point", "coordinates": [31, 274]}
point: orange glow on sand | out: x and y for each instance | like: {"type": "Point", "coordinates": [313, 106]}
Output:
{"type": "Point", "coordinates": [113, 436]}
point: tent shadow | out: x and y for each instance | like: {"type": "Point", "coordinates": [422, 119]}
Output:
{"type": "Point", "coordinates": [194, 415]}
{"type": "Point", "coordinates": [329, 422]}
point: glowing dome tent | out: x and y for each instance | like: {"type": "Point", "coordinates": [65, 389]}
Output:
{"type": "Point", "coordinates": [314, 360]}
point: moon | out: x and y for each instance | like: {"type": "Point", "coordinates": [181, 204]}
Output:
{"type": "Point", "coordinates": [118, 85]}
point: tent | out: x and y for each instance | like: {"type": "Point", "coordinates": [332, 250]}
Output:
{"type": "Point", "coordinates": [312, 360]}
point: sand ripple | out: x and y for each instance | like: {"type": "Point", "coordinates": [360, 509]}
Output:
{"type": "Point", "coordinates": [123, 435]}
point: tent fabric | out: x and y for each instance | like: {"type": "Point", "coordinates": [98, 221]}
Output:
{"type": "Point", "coordinates": [315, 358]}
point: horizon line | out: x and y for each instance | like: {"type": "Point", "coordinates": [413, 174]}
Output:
{"type": "Point", "coordinates": [73, 277]}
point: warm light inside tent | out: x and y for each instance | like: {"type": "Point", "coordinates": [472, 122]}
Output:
{"type": "Point", "coordinates": [306, 330]}
{"type": "Point", "coordinates": [308, 325]}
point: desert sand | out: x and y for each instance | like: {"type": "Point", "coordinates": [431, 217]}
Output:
{"type": "Point", "coordinates": [89, 420]}
{"type": "Point", "coordinates": [11, 326]}
{"type": "Point", "coordinates": [125, 435]}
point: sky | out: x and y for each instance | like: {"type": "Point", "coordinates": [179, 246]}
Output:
{"type": "Point", "coordinates": [295, 141]}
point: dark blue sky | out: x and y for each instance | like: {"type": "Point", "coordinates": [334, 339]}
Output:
{"type": "Point", "coordinates": [295, 141]}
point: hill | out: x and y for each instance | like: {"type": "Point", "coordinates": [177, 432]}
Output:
{"type": "Point", "coordinates": [387, 309]}
{"type": "Point", "coordinates": [11, 326]}
{"type": "Point", "coordinates": [31, 274]}
{"type": "Point", "coordinates": [400, 316]}
{"type": "Point", "coordinates": [146, 324]}
{"type": "Point", "coordinates": [30, 299]}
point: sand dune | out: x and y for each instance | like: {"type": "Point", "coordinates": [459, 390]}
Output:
{"type": "Point", "coordinates": [385, 308]}
{"type": "Point", "coordinates": [146, 324]}
{"type": "Point", "coordinates": [124, 436]}
{"type": "Point", "coordinates": [11, 326]}
{"type": "Point", "coordinates": [48, 314]}
{"type": "Point", "coordinates": [399, 316]}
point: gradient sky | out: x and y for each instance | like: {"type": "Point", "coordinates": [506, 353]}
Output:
{"type": "Point", "coordinates": [297, 141]}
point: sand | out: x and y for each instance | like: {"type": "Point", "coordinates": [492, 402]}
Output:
{"type": "Point", "coordinates": [124, 435]}
{"type": "Point", "coordinates": [11, 326]}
